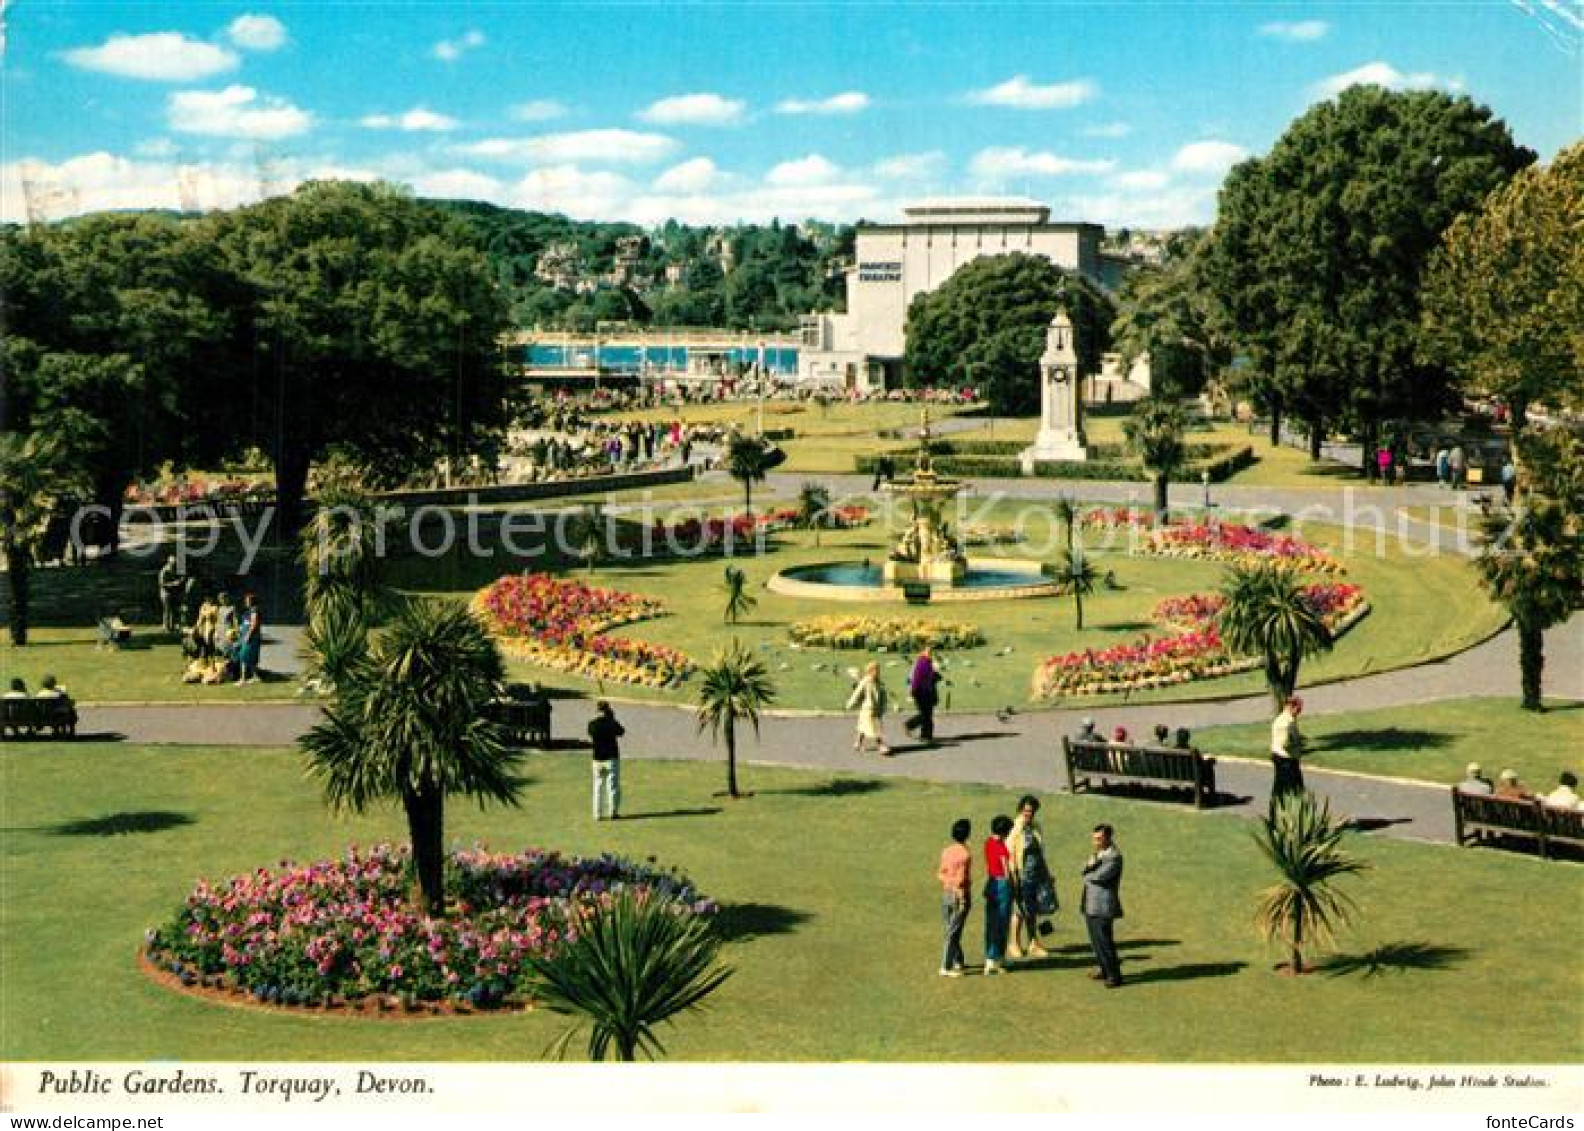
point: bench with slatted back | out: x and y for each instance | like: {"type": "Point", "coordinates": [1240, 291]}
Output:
{"type": "Point", "coordinates": [1104, 763]}
{"type": "Point", "coordinates": [526, 721]}
{"type": "Point", "coordinates": [28, 718]}
{"type": "Point", "coordinates": [1479, 817]}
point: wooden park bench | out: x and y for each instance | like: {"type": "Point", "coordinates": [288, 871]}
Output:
{"type": "Point", "coordinates": [1089, 763]}
{"type": "Point", "coordinates": [27, 718]}
{"type": "Point", "coordinates": [526, 720]}
{"type": "Point", "coordinates": [1482, 818]}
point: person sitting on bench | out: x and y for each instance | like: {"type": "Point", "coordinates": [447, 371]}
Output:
{"type": "Point", "coordinates": [49, 689]}
{"type": "Point", "coordinates": [18, 690]}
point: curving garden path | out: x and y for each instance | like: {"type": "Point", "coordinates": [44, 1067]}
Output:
{"type": "Point", "coordinates": [1019, 748]}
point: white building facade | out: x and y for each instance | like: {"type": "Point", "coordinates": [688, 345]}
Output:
{"type": "Point", "coordinates": [862, 349]}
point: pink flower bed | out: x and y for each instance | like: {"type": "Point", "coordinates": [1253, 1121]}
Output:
{"type": "Point", "coordinates": [694, 535]}
{"type": "Point", "coordinates": [561, 624]}
{"type": "Point", "coordinates": [1195, 650]}
{"type": "Point", "coordinates": [1213, 541]}
{"type": "Point", "coordinates": [299, 935]}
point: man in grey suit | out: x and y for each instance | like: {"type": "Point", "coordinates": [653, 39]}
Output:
{"type": "Point", "coordinates": [1102, 904]}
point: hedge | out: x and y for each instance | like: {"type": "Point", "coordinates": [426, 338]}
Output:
{"type": "Point", "coordinates": [1227, 464]}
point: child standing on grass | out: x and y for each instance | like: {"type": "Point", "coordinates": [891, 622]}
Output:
{"type": "Point", "coordinates": [956, 877]}
{"type": "Point", "coordinates": [998, 894]}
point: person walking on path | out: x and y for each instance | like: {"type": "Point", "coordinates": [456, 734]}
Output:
{"type": "Point", "coordinates": [1102, 904]}
{"type": "Point", "coordinates": [250, 640]}
{"type": "Point", "coordinates": [956, 876]}
{"type": "Point", "coordinates": [170, 594]}
{"type": "Point", "coordinates": [1033, 891]}
{"type": "Point", "coordinates": [997, 894]}
{"type": "Point", "coordinates": [1286, 749]}
{"type": "Point", "coordinates": [869, 698]}
{"type": "Point", "coordinates": [1457, 467]}
{"type": "Point", "coordinates": [603, 732]}
{"type": "Point", "coordinates": [924, 686]}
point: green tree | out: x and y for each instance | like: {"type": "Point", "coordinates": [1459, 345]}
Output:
{"type": "Point", "coordinates": [986, 326]}
{"type": "Point", "coordinates": [1265, 615]}
{"type": "Point", "coordinates": [1321, 245]}
{"type": "Point", "coordinates": [814, 508]}
{"type": "Point", "coordinates": [1165, 312]}
{"type": "Point", "coordinates": [1504, 293]}
{"type": "Point", "coordinates": [733, 689]}
{"type": "Point", "coordinates": [35, 479]}
{"type": "Point", "coordinates": [409, 723]}
{"type": "Point", "coordinates": [1077, 573]}
{"type": "Point", "coordinates": [739, 602]}
{"type": "Point", "coordinates": [749, 460]}
{"type": "Point", "coordinates": [583, 534]}
{"type": "Point", "coordinates": [1532, 558]}
{"type": "Point", "coordinates": [1155, 435]}
{"type": "Point", "coordinates": [630, 966]}
{"type": "Point", "coordinates": [361, 297]}
{"type": "Point", "coordinates": [1303, 909]}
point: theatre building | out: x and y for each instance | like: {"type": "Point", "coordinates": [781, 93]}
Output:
{"type": "Point", "coordinates": [862, 349]}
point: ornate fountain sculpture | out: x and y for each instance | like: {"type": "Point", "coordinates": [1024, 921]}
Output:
{"type": "Point", "coordinates": [926, 552]}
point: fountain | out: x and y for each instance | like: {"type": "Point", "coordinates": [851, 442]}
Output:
{"type": "Point", "coordinates": [926, 563]}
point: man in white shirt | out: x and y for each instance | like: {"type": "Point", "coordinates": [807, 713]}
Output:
{"type": "Point", "coordinates": [1565, 795]}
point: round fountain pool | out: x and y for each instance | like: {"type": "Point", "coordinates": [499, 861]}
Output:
{"type": "Point", "coordinates": [987, 579]}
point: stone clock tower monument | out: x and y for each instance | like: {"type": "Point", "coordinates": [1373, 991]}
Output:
{"type": "Point", "coordinates": [1061, 412]}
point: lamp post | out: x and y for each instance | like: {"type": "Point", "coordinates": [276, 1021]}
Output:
{"type": "Point", "coordinates": [1204, 478]}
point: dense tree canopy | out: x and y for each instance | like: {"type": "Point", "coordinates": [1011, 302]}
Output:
{"type": "Point", "coordinates": [1165, 312]}
{"type": "Point", "coordinates": [1504, 296]}
{"type": "Point", "coordinates": [985, 327]}
{"type": "Point", "coordinates": [1320, 246]}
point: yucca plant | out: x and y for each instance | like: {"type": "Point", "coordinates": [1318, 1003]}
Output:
{"type": "Point", "coordinates": [814, 508]}
{"type": "Point", "coordinates": [1079, 575]}
{"type": "Point", "coordinates": [1066, 516]}
{"type": "Point", "coordinates": [1265, 615]}
{"type": "Point", "coordinates": [336, 644]}
{"type": "Point", "coordinates": [1302, 909]}
{"type": "Point", "coordinates": [631, 966]}
{"type": "Point", "coordinates": [748, 460]}
{"type": "Point", "coordinates": [734, 688]}
{"type": "Point", "coordinates": [739, 601]}
{"type": "Point", "coordinates": [340, 548]}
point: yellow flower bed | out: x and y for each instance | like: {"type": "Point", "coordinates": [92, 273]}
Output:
{"type": "Point", "coordinates": [882, 632]}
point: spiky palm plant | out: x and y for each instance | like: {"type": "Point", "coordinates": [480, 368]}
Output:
{"type": "Point", "coordinates": [748, 460]}
{"type": "Point", "coordinates": [1265, 615]}
{"type": "Point", "coordinates": [409, 724]}
{"type": "Point", "coordinates": [814, 508]}
{"type": "Point", "coordinates": [1155, 434]}
{"type": "Point", "coordinates": [633, 964]}
{"type": "Point", "coordinates": [583, 534]}
{"type": "Point", "coordinates": [341, 549]}
{"type": "Point", "coordinates": [1066, 515]}
{"type": "Point", "coordinates": [35, 475]}
{"type": "Point", "coordinates": [1302, 909]}
{"type": "Point", "coordinates": [734, 688]}
{"type": "Point", "coordinates": [739, 601]}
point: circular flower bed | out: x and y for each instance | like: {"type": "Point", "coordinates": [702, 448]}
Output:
{"type": "Point", "coordinates": [559, 624]}
{"type": "Point", "coordinates": [887, 634]}
{"type": "Point", "coordinates": [339, 931]}
{"type": "Point", "coordinates": [1211, 541]}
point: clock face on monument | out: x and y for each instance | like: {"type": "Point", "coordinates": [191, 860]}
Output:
{"type": "Point", "coordinates": [1058, 375]}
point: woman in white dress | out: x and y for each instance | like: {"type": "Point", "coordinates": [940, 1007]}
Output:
{"type": "Point", "coordinates": [869, 698]}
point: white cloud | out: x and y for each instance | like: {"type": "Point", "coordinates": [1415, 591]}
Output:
{"type": "Point", "coordinates": [696, 175]}
{"type": "Point", "coordinates": [579, 145]}
{"type": "Point", "coordinates": [1020, 94]}
{"type": "Point", "coordinates": [238, 112]}
{"type": "Point", "coordinates": [1212, 157]}
{"type": "Point", "coordinates": [1110, 129]}
{"type": "Point", "coordinates": [910, 166]}
{"type": "Point", "coordinates": [1001, 163]}
{"type": "Point", "coordinates": [848, 102]}
{"type": "Point", "coordinates": [1295, 31]}
{"type": "Point", "coordinates": [165, 56]}
{"type": "Point", "coordinates": [703, 109]}
{"type": "Point", "coordinates": [1378, 74]}
{"type": "Point", "coordinates": [538, 110]}
{"type": "Point", "coordinates": [803, 172]}
{"type": "Point", "coordinates": [566, 188]}
{"type": "Point", "coordinates": [458, 184]}
{"type": "Point", "coordinates": [1143, 180]}
{"type": "Point", "coordinates": [416, 120]}
{"type": "Point", "coordinates": [155, 147]}
{"type": "Point", "coordinates": [256, 33]}
{"type": "Point", "coordinates": [450, 50]}
{"type": "Point", "coordinates": [1167, 208]}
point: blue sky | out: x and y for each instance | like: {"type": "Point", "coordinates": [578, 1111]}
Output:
{"type": "Point", "coordinates": [1122, 113]}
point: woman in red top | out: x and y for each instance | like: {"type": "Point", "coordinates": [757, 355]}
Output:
{"type": "Point", "coordinates": [998, 894]}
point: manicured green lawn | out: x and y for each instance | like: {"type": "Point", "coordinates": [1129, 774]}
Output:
{"type": "Point", "coordinates": [149, 669]}
{"type": "Point", "coordinates": [1433, 741]}
{"type": "Point", "coordinates": [832, 911]}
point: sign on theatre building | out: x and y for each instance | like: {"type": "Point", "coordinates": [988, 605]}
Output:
{"type": "Point", "coordinates": [862, 349]}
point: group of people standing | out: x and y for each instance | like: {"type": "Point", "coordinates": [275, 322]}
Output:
{"type": "Point", "coordinates": [223, 643]}
{"type": "Point", "coordinates": [871, 700]}
{"type": "Point", "coordinates": [1020, 894]}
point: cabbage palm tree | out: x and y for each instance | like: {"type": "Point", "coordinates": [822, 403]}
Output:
{"type": "Point", "coordinates": [738, 600]}
{"type": "Point", "coordinates": [1066, 516]}
{"type": "Point", "coordinates": [734, 688]}
{"type": "Point", "coordinates": [748, 460]}
{"type": "Point", "coordinates": [1265, 615]}
{"type": "Point", "coordinates": [1302, 909]}
{"type": "Point", "coordinates": [1155, 435]}
{"type": "Point", "coordinates": [1079, 575]}
{"type": "Point", "coordinates": [633, 964]}
{"type": "Point", "coordinates": [341, 550]}
{"type": "Point", "coordinates": [408, 722]}
{"type": "Point", "coordinates": [36, 476]}
{"type": "Point", "coordinates": [814, 508]}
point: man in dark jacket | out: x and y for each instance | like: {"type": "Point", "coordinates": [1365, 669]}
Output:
{"type": "Point", "coordinates": [1102, 904]}
{"type": "Point", "coordinates": [603, 731]}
